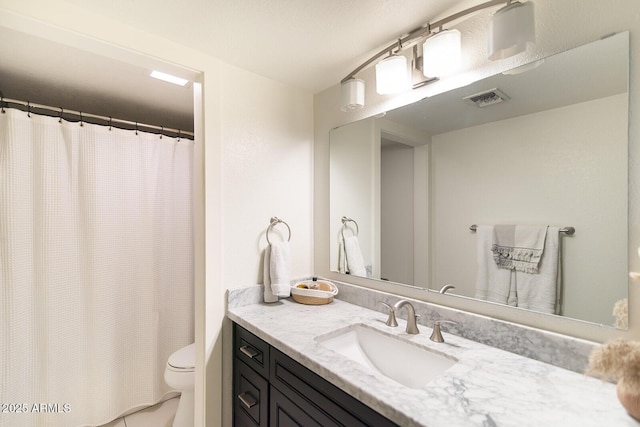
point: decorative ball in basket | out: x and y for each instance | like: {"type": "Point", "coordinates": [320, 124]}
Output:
{"type": "Point", "coordinates": [314, 292]}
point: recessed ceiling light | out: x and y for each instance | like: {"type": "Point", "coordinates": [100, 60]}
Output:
{"type": "Point", "coordinates": [169, 78]}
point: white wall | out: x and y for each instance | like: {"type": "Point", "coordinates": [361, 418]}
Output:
{"type": "Point", "coordinates": [355, 162]}
{"type": "Point", "coordinates": [560, 26]}
{"type": "Point", "coordinates": [396, 213]}
{"type": "Point", "coordinates": [417, 140]}
{"type": "Point", "coordinates": [504, 176]}
{"type": "Point", "coordinates": [266, 134]}
{"type": "Point", "coordinates": [421, 216]}
{"type": "Point", "coordinates": [357, 190]}
{"type": "Point", "coordinates": [267, 162]}
{"type": "Point", "coordinates": [255, 137]}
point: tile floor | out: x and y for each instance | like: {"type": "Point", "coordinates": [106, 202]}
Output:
{"type": "Point", "coordinates": [160, 415]}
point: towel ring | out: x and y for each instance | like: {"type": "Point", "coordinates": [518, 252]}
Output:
{"type": "Point", "coordinates": [275, 221]}
{"type": "Point", "coordinates": [345, 220]}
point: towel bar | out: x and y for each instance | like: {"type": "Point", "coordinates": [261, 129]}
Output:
{"type": "Point", "coordinates": [569, 231]}
{"type": "Point", "coordinates": [275, 221]}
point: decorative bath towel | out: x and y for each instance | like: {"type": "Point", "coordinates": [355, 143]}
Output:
{"type": "Point", "coordinates": [492, 283]}
{"type": "Point", "coordinates": [541, 291]}
{"type": "Point", "coordinates": [518, 247]}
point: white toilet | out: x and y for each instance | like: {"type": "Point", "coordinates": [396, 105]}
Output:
{"type": "Point", "coordinates": [179, 375]}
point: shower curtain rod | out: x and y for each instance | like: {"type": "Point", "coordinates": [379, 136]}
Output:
{"type": "Point", "coordinates": [109, 121]}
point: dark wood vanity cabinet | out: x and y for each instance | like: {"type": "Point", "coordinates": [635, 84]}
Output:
{"type": "Point", "coordinates": [251, 397]}
{"type": "Point", "coordinates": [271, 389]}
{"type": "Point", "coordinates": [250, 379]}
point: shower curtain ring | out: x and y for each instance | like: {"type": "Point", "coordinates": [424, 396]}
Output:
{"type": "Point", "coordinates": [2, 104]}
{"type": "Point", "coordinates": [178, 135]}
{"type": "Point", "coordinates": [161, 131]}
{"type": "Point", "coordinates": [136, 128]}
{"type": "Point", "coordinates": [60, 115]}
{"type": "Point", "coordinates": [81, 122]}
{"type": "Point", "coordinates": [109, 122]}
{"type": "Point", "coordinates": [28, 109]}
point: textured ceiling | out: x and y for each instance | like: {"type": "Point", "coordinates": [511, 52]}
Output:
{"type": "Point", "coordinates": [43, 72]}
{"type": "Point", "coordinates": [310, 44]}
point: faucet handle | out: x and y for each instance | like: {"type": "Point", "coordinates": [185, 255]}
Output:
{"type": "Point", "coordinates": [391, 321]}
{"type": "Point", "coordinates": [436, 335]}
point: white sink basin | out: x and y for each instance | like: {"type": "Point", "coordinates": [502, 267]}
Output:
{"type": "Point", "coordinates": [404, 362]}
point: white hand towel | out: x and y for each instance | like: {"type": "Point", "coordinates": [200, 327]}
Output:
{"type": "Point", "coordinates": [355, 262]}
{"type": "Point", "coordinates": [280, 269]}
{"type": "Point", "coordinates": [342, 258]}
{"type": "Point", "coordinates": [492, 283]}
{"type": "Point", "coordinates": [266, 277]}
{"type": "Point", "coordinates": [518, 247]}
{"type": "Point", "coordinates": [541, 291]}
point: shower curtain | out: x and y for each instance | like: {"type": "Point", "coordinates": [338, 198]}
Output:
{"type": "Point", "coordinates": [96, 268]}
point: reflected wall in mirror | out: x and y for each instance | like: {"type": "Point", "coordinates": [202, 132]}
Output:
{"type": "Point", "coordinates": [553, 152]}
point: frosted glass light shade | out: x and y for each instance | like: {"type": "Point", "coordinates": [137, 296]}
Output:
{"type": "Point", "coordinates": [511, 29]}
{"type": "Point", "coordinates": [392, 75]}
{"type": "Point", "coordinates": [352, 95]}
{"type": "Point", "coordinates": [442, 53]}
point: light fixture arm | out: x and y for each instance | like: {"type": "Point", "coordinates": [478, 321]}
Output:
{"type": "Point", "coordinates": [410, 39]}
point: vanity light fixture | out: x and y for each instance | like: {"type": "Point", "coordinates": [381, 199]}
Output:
{"type": "Point", "coordinates": [392, 75]}
{"type": "Point", "coordinates": [442, 53]}
{"type": "Point", "coordinates": [511, 31]}
{"type": "Point", "coordinates": [352, 94]}
{"type": "Point", "coordinates": [169, 78]}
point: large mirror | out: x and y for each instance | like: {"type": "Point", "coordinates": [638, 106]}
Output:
{"type": "Point", "coordinates": [543, 147]}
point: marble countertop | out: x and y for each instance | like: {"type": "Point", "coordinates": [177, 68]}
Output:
{"type": "Point", "coordinates": [487, 387]}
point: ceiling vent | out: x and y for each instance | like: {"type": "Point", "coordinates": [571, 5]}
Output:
{"type": "Point", "coordinates": [486, 98]}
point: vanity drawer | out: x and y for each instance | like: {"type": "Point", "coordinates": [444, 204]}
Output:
{"type": "Point", "coordinates": [285, 413]}
{"type": "Point", "coordinates": [251, 350]}
{"type": "Point", "coordinates": [270, 388]}
{"type": "Point", "coordinates": [250, 397]}
{"type": "Point", "coordinates": [318, 398]}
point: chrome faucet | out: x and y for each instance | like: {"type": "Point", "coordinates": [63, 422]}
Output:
{"type": "Point", "coordinates": [412, 327]}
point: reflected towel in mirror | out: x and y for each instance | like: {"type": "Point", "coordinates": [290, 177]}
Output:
{"type": "Point", "coordinates": [518, 247]}
{"type": "Point", "coordinates": [355, 262]}
{"type": "Point", "coordinates": [533, 291]}
{"type": "Point", "coordinates": [492, 283]}
{"type": "Point", "coordinates": [541, 291]}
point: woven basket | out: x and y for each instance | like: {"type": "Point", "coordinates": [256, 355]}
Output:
{"type": "Point", "coordinates": [314, 292]}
